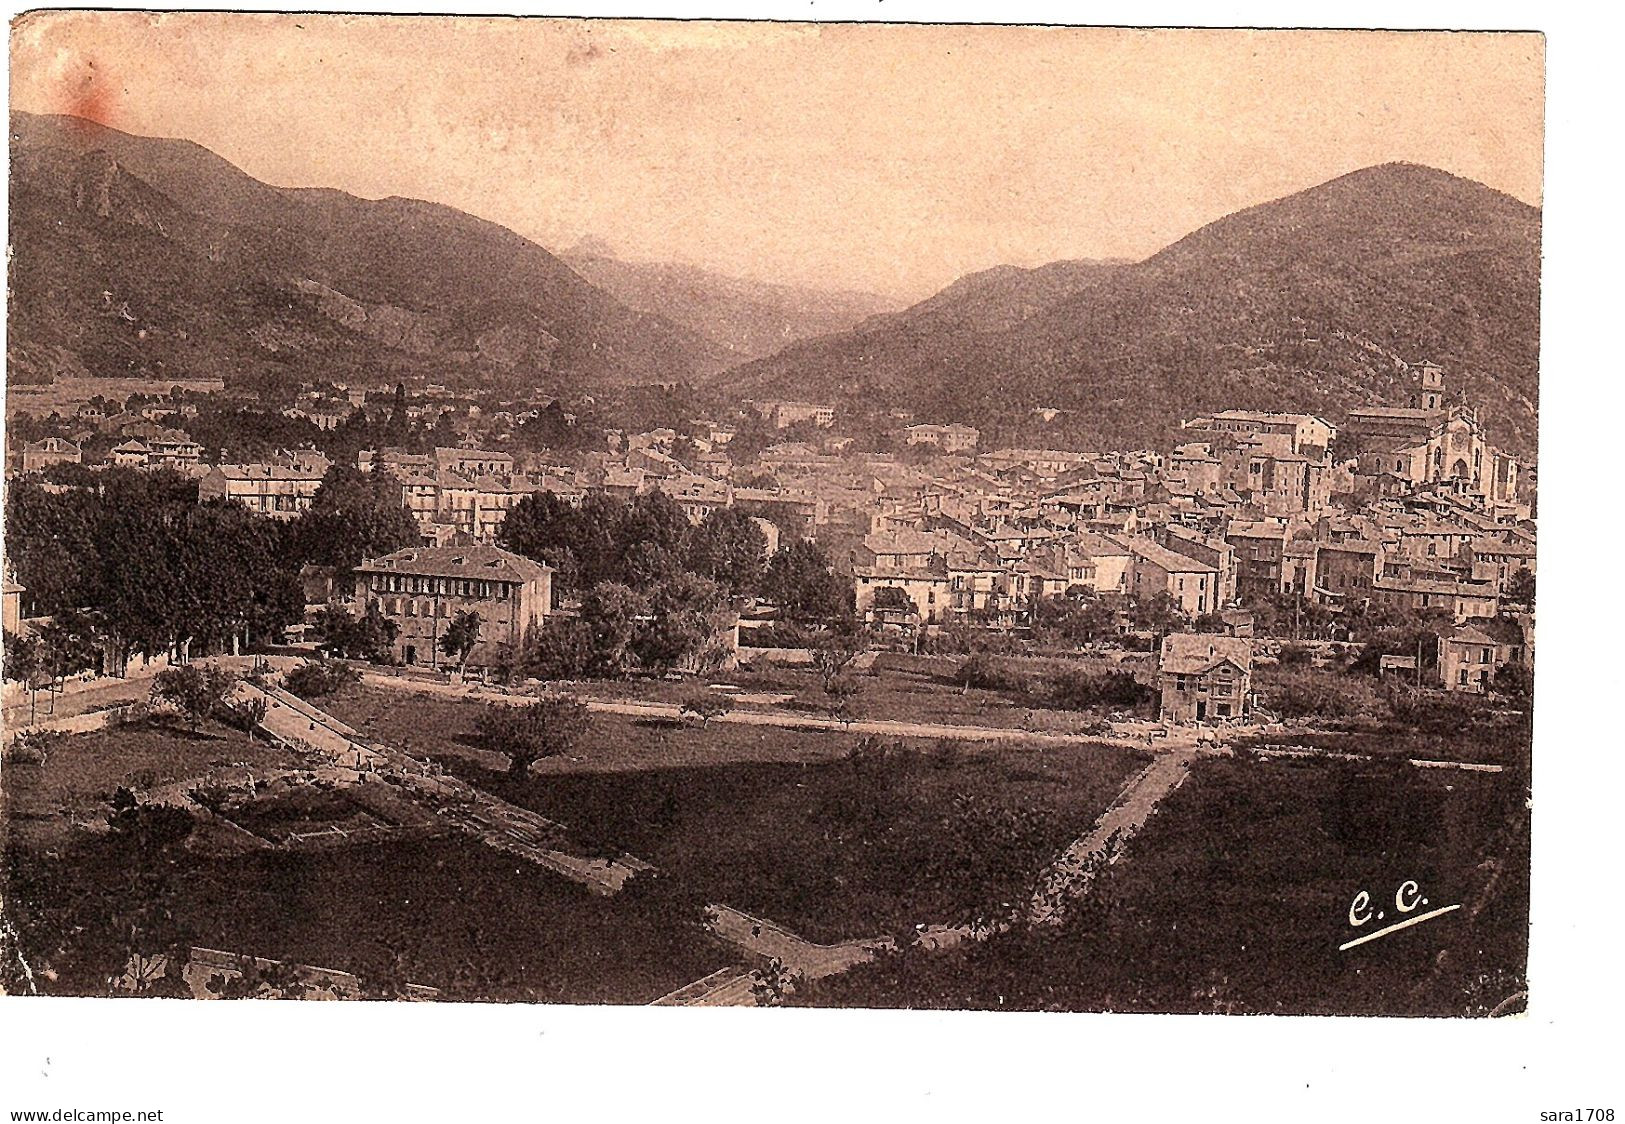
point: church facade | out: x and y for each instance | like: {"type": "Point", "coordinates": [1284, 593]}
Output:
{"type": "Point", "coordinates": [1398, 449]}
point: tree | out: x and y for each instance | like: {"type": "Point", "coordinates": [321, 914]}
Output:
{"type": "Point", "coordinates": [1158, 613]}
{"type": "Point", "coordinates": [70, 642]}
{"type": "Point", "coordinates": [834, 656]}
{"type": "Point", "coordinates": [353, 515]}
{"type": "Point", "coordinates": [251, 712]}
{"type": "Point", "coordinates": [22, 657]}
{"type": "Point", "coordinates": [684, 615]}
{"type": "Point", "coordinates": [50, 545]}
{"type": "Point", "coordinates": [728, 548]}
{"type": "Point", "coordinates": [544, 526]}
{"type": "Point", "coordinates": [1515, 681]}
{"type": "Point", "coordinates": [370, 636]}
{"type": "Point", "coordinates": [26, 663]}
{"type": "Point", "coordinates": [318, 678]}
{"type": "Point", "coordinates": [839, 694]}
{"type": "Point", "coordinates": [529, 732]}
{"type": "Point", "coordinates": [1520, 587]}
{"type": "Point", "coordinates": [562, 649]}
{"type": "Point", "coordinates": [1400, 632]}
{"type": "Point", "coordinates": [649, 539]}
{"type": "Point", "coordinates": [800, 580]}
{"type": "Point", "coordinates": [460, 637]}
{"type": "Point", "coordinates": [706, 705]}
{"type": "Point", "coordinates": [197, 691]}
{"type": "Point", "coordinates": [610, 613]}
{"type": "Point", "coordinates": [1080, 616]}
{"type": "Point", "coordinates": [399, 422]}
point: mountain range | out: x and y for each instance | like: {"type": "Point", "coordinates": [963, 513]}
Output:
{"type": "Point", "coordinates": [746, 318]}
{"type": "Point", "coordinates": [156, 257]}
{"type": "Point", "coordinates": [1314, 302]}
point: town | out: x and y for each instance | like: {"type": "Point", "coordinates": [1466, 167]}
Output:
{"type": "Point", "coordinates": [353, 574]}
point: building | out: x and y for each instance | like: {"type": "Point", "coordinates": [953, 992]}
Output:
{"type": "Point", "coordinates": [1467, 660]}
{"type": "Point", "coordinates": [1096, 562]}
{"type": "Point", "coordinates": [12, 602]}
{"type": "Point", "coordinates": [423, 589]}
{"type": "Point", "coordinates": [281, 491]}
{"type": "Point", "coordinates": [782, 415]}
{"type": "Point", "coordinates": [1462, 600]}
{"type": "Point", "coordinates": [1046, 463]}
{"type": "Point", "coordinates": [474, 462]}
{"type": "Point", "coordinates": [1205, 678]}
{"type": "Point", "coordinates": [1351, 568]}
{"type": "Point", "coordinates": [1305, 434]}
{"type": "Point", "coordinates": [1154, 569]}
{"type": "Point", "coordinates": [171, 448]}
{"type": "Point", "coordinates": [949, 438]}
{"type": "Point", "coordinates": [1259, 547]}
{"type": "Point", "coordinates": [1427, 443]}
{"type": "Point", "coordinates": [48, 451]}
{"type": "Point", "coordinates": [924, 587]}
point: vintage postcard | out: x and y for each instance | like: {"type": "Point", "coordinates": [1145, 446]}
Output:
{"type": "Point", "coordinates": [984, 518]}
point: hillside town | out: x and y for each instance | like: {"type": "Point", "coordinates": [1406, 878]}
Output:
{"type": "Point", "coordinates": [1255, 524]}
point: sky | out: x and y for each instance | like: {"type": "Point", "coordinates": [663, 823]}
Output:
{"type": "Point", "coordinates": [892, 159]}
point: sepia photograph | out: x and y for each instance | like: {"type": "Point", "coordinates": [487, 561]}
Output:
{"type": "Point", "coordinates": [703, 513]}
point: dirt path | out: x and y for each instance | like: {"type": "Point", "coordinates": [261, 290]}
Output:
{"type": "Point", "coordinates": [779, 718]}
{"type": "Point", "coordinates": [1069, 876]}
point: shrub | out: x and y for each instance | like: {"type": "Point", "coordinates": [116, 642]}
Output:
{"type": "Point", "coordinates": [195, 691]}
{"type": "Point", "coordinates": [778, 634]}
{"type": "Point", "coordinates": [1309, 693]}
{"type": "Point", "coordinates": [989, 673]}
{"type": "Point", "coordinates": [706, 705]}
{"type": "Point", "coordinates": [317, 678]}
{"type": "Point", "coordinates": [525, 734]}
{"type": "Point", "coordinates": [148, 827]}
{"type": "Point", "coordinates": [1083, 690]}
{"type": "Point", "coordinates": [1436, 713]}
{"type": "Point", "coordinates": [839, 694]}
{"type": "Point", "coordinates": [1294, 655]}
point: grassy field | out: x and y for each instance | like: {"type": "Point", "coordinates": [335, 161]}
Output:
{"type": "Point", "coordinates": [81, 771]}
{"type": "Point", "coordinates": [788, 824]}
{"type": "Point", "coordinates": [443, 728]}
{"type": "Point", "coordinates": [909, 688]}
{"type": "Point", "coordinates": [449, 913]}
{"type": "Point", "coordinates": [1504, 742]}
{"type": "Point", "coordinates": [1236, 898]}
{"type": "Point", "coordinates": [800, 827]}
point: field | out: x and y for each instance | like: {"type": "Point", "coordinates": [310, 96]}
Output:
{"type": "Point", "coordinates": [918, 688]}
{"type": "Point", "coordinates": [1236, 897]}
{"type": "Point", "coordinates": [68, 394]}
{"type": "Point", "coordinates": [788, 824]}
{"type": "Point", "coordinates": [826, 833]}
{"type": "Point", "coordinates": [448, 913]}
{"type": "Point", "coordinates": [81, 772]}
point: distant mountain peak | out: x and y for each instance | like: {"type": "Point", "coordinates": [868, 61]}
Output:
{"type": "Point", "coordinates": [1305, 303]}
{"type": "Point", "coordinates": [591, 246]}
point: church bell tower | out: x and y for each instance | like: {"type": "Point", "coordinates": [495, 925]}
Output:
{"type": "Point", "coordinates": [1428, 393]}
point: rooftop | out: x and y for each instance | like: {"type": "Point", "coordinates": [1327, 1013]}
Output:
{"type": "Point", "coordinates": [1188, 653]}
{"type": "Point", "coordinates": [479, 562]}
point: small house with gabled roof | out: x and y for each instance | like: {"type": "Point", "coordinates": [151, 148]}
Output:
{"type": "Point", "coordinates": [1205, 678]}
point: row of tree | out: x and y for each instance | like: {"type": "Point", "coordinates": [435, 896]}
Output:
{"type": "Point", "coordinates": [642, 541]}
{"type": "Point", "coordinates": [133, 562]}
